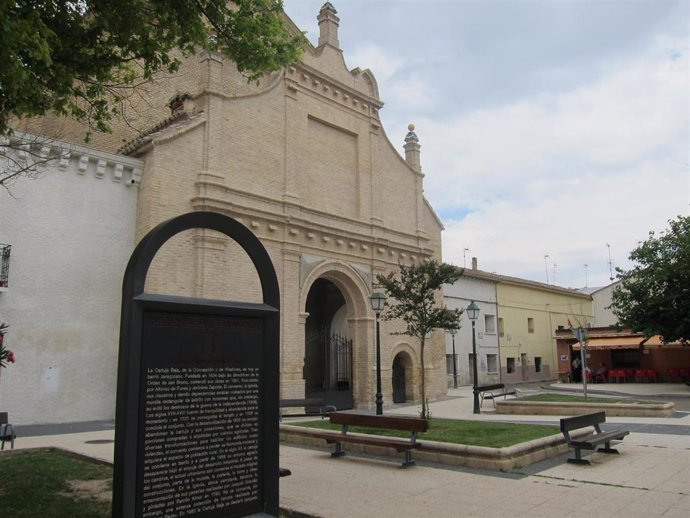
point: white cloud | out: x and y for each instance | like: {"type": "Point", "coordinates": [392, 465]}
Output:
{"type": "Point", "coordinates": [566, 174]}
{"type": "Point", "coordinates": [559, 126]}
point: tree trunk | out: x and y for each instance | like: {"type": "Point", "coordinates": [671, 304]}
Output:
{"type": "Point", "coordinates": [423, 378]}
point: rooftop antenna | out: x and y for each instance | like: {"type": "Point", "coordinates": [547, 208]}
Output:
{"type": "Point", "coordinates": [464, 257]}
{"type": "Point", "coordinates": [586, 280]}
{"type": "Point", "coordinates": [546, 268]}
{"type": "Point", "coordinates": [610, 263]}
{"type": "Point", "coordinates": [554, 273]}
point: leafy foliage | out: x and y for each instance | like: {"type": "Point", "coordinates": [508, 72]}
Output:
{"type": "Point", "coordinates": [414, 290]}
{"type": "Point", "coordinates": [73, 57]}
{"type": "Point", "coordinates": [654, 297]}
{"type": "Point", "coordinates": [6, 356]}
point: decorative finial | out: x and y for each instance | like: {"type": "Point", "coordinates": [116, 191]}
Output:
{"type": "Point", "coordinates": [411, 135]}
{"type": "Point", "coordinates": [328, 7]}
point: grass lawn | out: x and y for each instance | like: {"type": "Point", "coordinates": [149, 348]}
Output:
{"type": "Point", "coordinates": [475, 433]}
{"type": "Point", "coordinates": [570, 398]}
{"type": "Point", "coordinates": [51, 484]}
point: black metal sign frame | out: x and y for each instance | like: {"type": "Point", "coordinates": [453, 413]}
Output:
{"type": "Point", "coordinates": [169, 346]}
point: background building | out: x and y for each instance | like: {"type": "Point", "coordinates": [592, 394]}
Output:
{"type": "Point", "coordinates": [515, 327]}
{"type": "Point", "coordinates": [71, 232]}
{"type": "Point", "coordinates": [479, 287]}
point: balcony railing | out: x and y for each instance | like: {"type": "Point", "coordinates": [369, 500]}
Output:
{"type": "Point", "coordinates": [4, 265]}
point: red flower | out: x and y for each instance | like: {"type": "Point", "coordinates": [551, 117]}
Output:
{"type": "Point", "coordinates": [10, 356]}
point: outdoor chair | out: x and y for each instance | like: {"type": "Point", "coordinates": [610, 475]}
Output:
{"type": "Point", "coordinates": [6, 431]}
{"type": "Point", "coordinates": [617, 374]}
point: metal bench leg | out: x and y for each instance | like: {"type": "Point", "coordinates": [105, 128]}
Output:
{"type": "Point", "coordinates": [338, 450]}
{"type": "Point", "coordinates": [607, 449]}
{"type": "Point", "coordinates": [578, 458]}
{"type": "Point", "coordinates": [409, 461]}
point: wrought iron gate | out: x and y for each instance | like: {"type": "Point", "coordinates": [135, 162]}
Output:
{"type": "Point", "coordinates": [328, 369]}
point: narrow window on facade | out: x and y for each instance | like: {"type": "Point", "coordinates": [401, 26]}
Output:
{"type": "Point", "coordinates": [501, 330]}
{"type": "Point", "coordinates": [530, 325]}
{"type": "Point", "coordinates": [510, 365]}
{"type": "Point", "coordinates": [490, 324]}
{"type": "Point", "coordinates": [537, 363]}
{"type": "Point", "coordinates": [492, 362]}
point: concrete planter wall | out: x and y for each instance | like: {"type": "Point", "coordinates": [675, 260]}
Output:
{"type": "Point", "coordinates": [515, 406]}
{"type": "Point", "coordinates": [498, 459]}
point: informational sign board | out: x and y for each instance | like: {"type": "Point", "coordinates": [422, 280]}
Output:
{"type": "Point", "coordinates": [197, 405]}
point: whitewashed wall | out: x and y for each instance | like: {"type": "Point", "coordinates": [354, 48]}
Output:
{"type": "Point", "coordinates": [72, 232]}
{"type": "Point", "coordinates": [459, 295]}
{"type": "Point", "coordinates": [601, 302]}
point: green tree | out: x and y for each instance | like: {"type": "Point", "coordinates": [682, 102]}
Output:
{"type": "Point", "coordinates": [414, 290]}
{"type": "Point", "coordinates": [74, 57]}
{"type": "Point", "coordinates": [654, 296]}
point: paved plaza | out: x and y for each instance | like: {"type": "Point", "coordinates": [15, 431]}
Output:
{"type": "Point", "coordinates": [650, 477]}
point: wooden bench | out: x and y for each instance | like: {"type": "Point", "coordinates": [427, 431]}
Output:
{"type": "Point", "coordinates": [388, 422]}
{"type": "Point", "coordinates": [591, 441]}
{"type": "Point", "coordinates": [494, 391]}
{"type": "Point", "coordinates": [311, 406]}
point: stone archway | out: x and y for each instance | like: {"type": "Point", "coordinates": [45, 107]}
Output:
{"type": "Point", "coordinates": [336, 323]}
{"type": "Point", "coordinates": [327, 347]}
{"type": "Point", "coordinates": [405, 379]}
{"type": "Point", "coordinates": [402, 366]}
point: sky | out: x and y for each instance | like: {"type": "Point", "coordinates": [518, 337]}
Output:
{"type": "Point", "coordinates": [555, 134]}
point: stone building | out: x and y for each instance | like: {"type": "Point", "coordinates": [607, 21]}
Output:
{"type": "Point", "coordinates": [303, 161]}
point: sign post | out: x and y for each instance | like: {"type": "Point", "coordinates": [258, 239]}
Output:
{"type": "Point", "coordinates": [581, 335]}
{"type": "Point", "coordinates": [196, 426]}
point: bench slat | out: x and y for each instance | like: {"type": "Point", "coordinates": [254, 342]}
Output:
{"type": "Point", "coordinates": [399, 446]}
{"type": "Point", "coordinates": [346, 419]}
{"type": "Point", "coordinates": [592, 441]}
{"type": "Point", "coordinates": [582, 421]}
{"type": "Point", "coordinates": [409, 424]}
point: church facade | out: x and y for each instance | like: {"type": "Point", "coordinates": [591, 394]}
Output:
{"type": "Point", "coordinates": [303, 161]}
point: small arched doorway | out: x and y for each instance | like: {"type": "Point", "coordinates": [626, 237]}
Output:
{"type": "Point", "coordinates": [327, 346]}
{"type": "Point", "coordinates": [402, 363]}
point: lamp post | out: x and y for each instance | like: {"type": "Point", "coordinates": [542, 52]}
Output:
{"type": "Point", "coordinates": [455, 362]}
{"type": "Point", "coordinates": [378, 301]}
{"type": "Point", "coordinates": [473, 314]}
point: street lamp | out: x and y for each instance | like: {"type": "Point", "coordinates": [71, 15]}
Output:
{"type": "Point", "coordinates": [378, 301]}
{"type": "Point", "coordinates": [473, 314]}
{"type": "Point", "coordinates": [455, 361]}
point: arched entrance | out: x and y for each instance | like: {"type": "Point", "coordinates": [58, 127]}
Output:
{"type": "Point", "coordinates": [327, 346]}
{"type": "Point", "coordinates": [402, 363]}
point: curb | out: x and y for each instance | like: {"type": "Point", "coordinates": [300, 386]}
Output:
{"type": "Point", "coordinates": [590, 390]}
{"type": "Point", "coordinates": [493, 459]}
{"type": "Point", "coordinates": [517, 407]}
